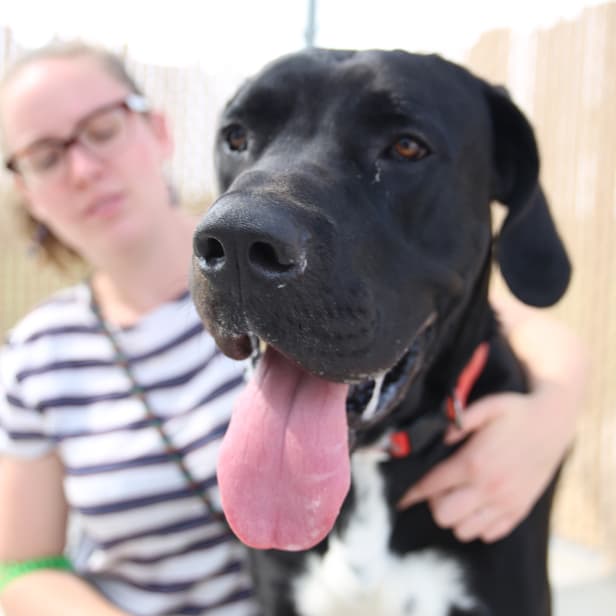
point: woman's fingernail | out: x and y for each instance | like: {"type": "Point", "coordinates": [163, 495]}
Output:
{"type": "Point", "coordinates": [410, 498]}
{"type": "Point", "coordinates": [453, 435]}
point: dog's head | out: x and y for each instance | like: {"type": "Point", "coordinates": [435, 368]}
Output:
{"type": "Point", "coordinates": [353, 229]}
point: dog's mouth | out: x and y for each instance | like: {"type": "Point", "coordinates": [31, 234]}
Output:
{"type": "Point", "coordinates": [371, 400]}
{"type": "Point", "coordinates": [284, 465]}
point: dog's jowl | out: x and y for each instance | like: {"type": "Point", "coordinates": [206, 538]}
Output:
{"type": "Point", "coordinates": [349, 256]}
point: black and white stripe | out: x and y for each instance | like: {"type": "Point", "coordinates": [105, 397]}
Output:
{"type": "Point", "coordinates": [144, 539]}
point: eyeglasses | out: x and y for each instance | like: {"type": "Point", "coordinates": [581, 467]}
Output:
{"type": "Point", "coordinates": [103, 132]}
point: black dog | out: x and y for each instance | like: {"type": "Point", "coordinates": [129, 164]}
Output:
{"type": "Point", "coordinates": [354, 239]}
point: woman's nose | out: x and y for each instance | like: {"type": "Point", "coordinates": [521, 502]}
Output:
{"type": "Point", "coordinates": [82, 164]}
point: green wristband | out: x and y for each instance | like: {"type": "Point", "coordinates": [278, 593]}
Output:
{"type": "Point", "coordinates": [12, 570]}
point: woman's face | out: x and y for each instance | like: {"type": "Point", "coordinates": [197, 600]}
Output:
{"type": "Point", "coordinates": [97, 203]}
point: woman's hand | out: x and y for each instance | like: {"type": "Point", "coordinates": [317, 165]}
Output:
{"type": "Point", "coordinates": [515, 441]}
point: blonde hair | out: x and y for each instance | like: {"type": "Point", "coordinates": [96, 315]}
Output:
{"type": "Point", "coordinates": [48, 248]}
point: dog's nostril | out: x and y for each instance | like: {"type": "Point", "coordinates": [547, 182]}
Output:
{"type": "Point", "coordinates": [211, 251]}
{"type": "Point", "coordinates": [214, 251]}
{"type": "Point", "coordinates": [266, 257]}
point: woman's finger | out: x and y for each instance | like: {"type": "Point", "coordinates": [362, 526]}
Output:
{"type": "Point", "coordinates": [476, 524]}
{"type": "Point", "coordinates": [477, 415]}
{"type": "Point", "coordinates": [453, 507]}
{"type": "Point", "coordinates": [446, 475]}
{"type": "Point", "coordinates": [498, 530]}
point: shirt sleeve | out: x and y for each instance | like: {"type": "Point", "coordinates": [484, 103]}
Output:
{"type": "Point", "coordinates": [22, 425]}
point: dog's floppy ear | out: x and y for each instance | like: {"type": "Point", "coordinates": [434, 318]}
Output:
{"type": "Point", "coordinates": [531, 256]}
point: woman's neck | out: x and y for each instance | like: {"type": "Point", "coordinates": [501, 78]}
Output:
{"type": "Point", "coordinates": [131, 285]}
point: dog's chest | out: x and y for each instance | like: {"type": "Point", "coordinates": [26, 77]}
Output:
{"type": "Point", "coordinates": [359, 574]}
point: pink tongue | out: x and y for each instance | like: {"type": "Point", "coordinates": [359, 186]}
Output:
{"type": "Point", "coordinates": [284, 467]}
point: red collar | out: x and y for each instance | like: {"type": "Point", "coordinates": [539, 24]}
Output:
{"type": "Point", "coordinates": [402, 443]}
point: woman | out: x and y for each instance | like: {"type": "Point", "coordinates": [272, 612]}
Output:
{"type": "Point", "coordinates": [116, 400]}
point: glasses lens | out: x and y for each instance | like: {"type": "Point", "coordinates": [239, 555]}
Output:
{"type": "Point", "coordinates": [105, 130]}
{"type": "Point", "coordinates": [41, 159]}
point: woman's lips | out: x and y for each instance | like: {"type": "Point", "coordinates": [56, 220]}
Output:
{"type": "Point", "coordinates": [105, 206]}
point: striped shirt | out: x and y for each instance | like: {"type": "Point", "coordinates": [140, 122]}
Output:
{"type": "Point", "coordinates": [142, 538]}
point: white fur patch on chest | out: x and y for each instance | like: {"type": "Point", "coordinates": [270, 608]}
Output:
{"type": "Point", "coordinates": [358, 574]}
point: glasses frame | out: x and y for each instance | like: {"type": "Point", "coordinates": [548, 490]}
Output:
{"type": "Point", "coordinates": [132, 103]}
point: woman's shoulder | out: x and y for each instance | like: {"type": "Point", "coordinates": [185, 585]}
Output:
{"type": "Point", "coordinates": [64, 311]}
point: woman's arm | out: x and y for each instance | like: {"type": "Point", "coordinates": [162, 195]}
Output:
{"type": "Point", "coordinates": [54, 593]}
{"type": "Point", "coordinates": [33, 525]}
{"type": "Point", "coordinates": [516, 441]}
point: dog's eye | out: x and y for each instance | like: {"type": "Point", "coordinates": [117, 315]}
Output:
{"type": "Point", "coordinates": [408, 148]}
{"type": "Point", "coordinates": [236, 138]}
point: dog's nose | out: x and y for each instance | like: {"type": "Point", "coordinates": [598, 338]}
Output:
{"type": "Point", "coordinates": [229, 243]}
{"type": "Point", "coordinates": [264, 256]}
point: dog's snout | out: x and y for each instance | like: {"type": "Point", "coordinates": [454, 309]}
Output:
{"type": "Point", "coordinates": [228, 244]}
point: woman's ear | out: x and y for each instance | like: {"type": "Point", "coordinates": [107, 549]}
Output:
{"type": "Point", "coordinates": [23, 193]}
{"type": "Point", "coordinates": [160, 127]}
